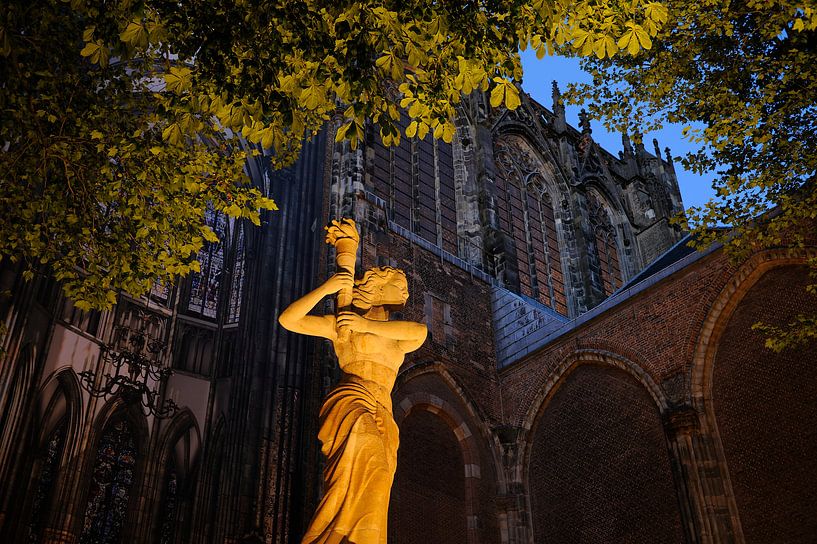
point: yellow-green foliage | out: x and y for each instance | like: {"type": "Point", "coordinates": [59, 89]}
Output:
{"type": "Point", "coordinates": [121, 119]}
{"type": "Point", "coordinates": [745, 72]}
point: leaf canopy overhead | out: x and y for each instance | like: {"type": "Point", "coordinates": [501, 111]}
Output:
{"type": "Point", "coordinates": [124, 120]}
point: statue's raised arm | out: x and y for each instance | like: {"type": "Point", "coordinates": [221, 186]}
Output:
{"type": "Point", "coordinates": [358, 431]}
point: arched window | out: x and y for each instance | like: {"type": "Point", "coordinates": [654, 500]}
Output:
{"type": "Point", "coordinates": [205, 286]}
{"type": "Point", "coordinates": [216, 258]}
{"type": "Point", "coordinates": [168, 512]}
{"type": "Point", "coordinates": [43, 490]}
{"type": "Point", "coordinates": [525, 209]}
{"type": "Point", "coordinates": [237, 283]}
{"type": "Point", "coordinates": [111, 482]}
{"type": "Point", "coordinates": [415, 180]}
{"type": "Point", "coordinates": [605, 245]}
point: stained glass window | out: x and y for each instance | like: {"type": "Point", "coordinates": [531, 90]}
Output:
{"type": "Point", "coordinates": [234, 309]}
{"type": "Point", "coordinates": [160, 292]}
{"type": "Point", "coordinates": [170, 502]}
{"type": "Point", "coordinates": [205, 284]}
{"type": "Point", "coordinates": [44, 489]}
{"type": "Point", "coordinates": [111, 483]}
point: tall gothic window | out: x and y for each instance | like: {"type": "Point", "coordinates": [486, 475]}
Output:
{"type": "Point", "coordinates": [237, 285]}
{"type": "Point", "coordinates": [215, 258]}
{"type": "Point", "coordinates": [111, 483]}
{"type": "Point", "coordinates": [416, 180]}
{"type": "Point", "coordinates": [168, 513]}
{"type": "Point", "coordinates": [525, 209]}
{"type": "Point", "coordinates": [44, 489]}
{"type": "Point", "coordinates": [605, 245]}
{"type": "Point", "coordinates": [205, 286]}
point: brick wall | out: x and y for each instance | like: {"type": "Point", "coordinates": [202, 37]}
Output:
{"type": "Point", "coordinates": [656, 329]}
{"type": "Point", "coordinates": [765, 406]}
{"type": "Point", "coordinates": [465, 346]}
{"type": "Point", "coordinates": [599, 468]}
{"type": "Point", "coordinates": [428, 497]}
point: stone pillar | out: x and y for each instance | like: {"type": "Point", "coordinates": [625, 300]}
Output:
{"type": "Point", "coordinates": [700, 482]}
{"type": "Point", "coordinates": [512, 503]}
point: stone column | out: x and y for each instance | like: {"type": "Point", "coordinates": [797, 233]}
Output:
{"type": "Point", "coordinates": [699, 479]}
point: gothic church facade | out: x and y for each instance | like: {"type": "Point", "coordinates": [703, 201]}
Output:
{"type": "Point", "coordinates": [587, 378]}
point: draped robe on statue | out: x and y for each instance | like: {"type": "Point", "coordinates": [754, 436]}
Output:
{"type": "Point", "coordinates": [360, 440]}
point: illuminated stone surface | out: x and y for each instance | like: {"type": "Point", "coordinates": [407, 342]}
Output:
{"type": "Point", "coordinates": [358, 432]}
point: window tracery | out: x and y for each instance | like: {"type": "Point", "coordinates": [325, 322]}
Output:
{"type": "Point", "coordinates": [111, 482]}
{"type": "Point", "coordinates": [526, 213]}
{"type": "Point", "coordinates": [216, 258]}
{"type": "Point", "coordinates": [605, 245]}
{"type": "Point", "coordinates": [205, 286]}
{"type": "Point", "coordinates": [44, 490]}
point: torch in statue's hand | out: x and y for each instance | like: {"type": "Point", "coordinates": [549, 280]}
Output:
{"type": "Point", "coordinates": [343, 235]}
{"type": "Point", "coordinates": [338, 231]}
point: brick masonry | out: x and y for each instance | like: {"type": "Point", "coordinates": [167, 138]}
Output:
{"type": "Point", "coordinates": [761, 401]}
{"type": "Point", "coordinates": [599, 467]}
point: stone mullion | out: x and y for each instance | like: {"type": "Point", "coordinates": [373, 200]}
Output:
{"type": "Point", "coordinates": [699, 481]}
{"type": "Point", "coordinates": [546, 249]}
{"type": "Point", "coordinates": [438, 214]}
{"type": "Point", "coordinates": [531, 258]}
{"type": "Point", "coordinates": [415, 186]}
{"type": "Point", "coordinates": [390, 211]}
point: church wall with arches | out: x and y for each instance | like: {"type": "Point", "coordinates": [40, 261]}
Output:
{"type": "Point", "coordinates": [636, 406]}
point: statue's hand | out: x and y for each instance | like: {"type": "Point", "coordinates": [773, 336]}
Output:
{"type": "Point", "coordinates": [350, 321]}
{"type": "Point", "coordinates": [342, 280]}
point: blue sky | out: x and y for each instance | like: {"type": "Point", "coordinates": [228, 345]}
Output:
{"type": "Point", "coordinates": [695, 189]}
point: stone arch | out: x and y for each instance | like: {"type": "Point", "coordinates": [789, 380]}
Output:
{"type": "Point", "coordinates": [473, 412]}
{"type": "Point", "coordinates": [708, 350]}
{"type": "Point", "coordinates": [594, 442]}
{"type": "Point", "coordinates": [724, 306]}
{"type": "Point", "coordinates": [61, 396]}
{"type": "Point", "coordinates": [444, 408]}
{"type": "Point", "coordinates": [175, 474]}
{"type": "Point", "coordinates": [597, 357]}
{"type": "Point", "coordinates": [50, 442]}
{"type": "Point", "coordinates": [471, 463]}
{"type": "Point", "coordinates": [116, 409]}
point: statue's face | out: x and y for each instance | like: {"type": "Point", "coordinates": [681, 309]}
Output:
{"type": "Point", "coordinates": [395, 291]}
{"type": "Point", "coordinates": [381, 288]}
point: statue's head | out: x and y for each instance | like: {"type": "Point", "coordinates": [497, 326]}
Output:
{"type": "Point", "coordinates": [381, 286]}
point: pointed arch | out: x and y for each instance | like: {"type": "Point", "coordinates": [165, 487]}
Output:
{"type": "Point", "coordinates": [530, 212]}
{"type": "Point", "coordinates": [436, 414]}
{"type": "Point", "coordinates": [594, 445]}
{"type": "Point", "coordinates": [473, 411]}
{"type": "Point", "coordinates": [49, 443]}
{"type": "Point", "coordinates": [593, 357]}
{"type": "Point", "coordinates": [113, 472]}
{"type": "Point", "coordinates": [709, 341]}
{"type": "Point", "coordinates": [724, 306]}
{"type": "Point", "coordinates": [61, 397]}
{"type": "Point", "coordinates": [175, 473]}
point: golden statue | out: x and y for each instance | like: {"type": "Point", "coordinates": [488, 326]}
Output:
{"type": "Point", "coordinates": [357, 431]}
